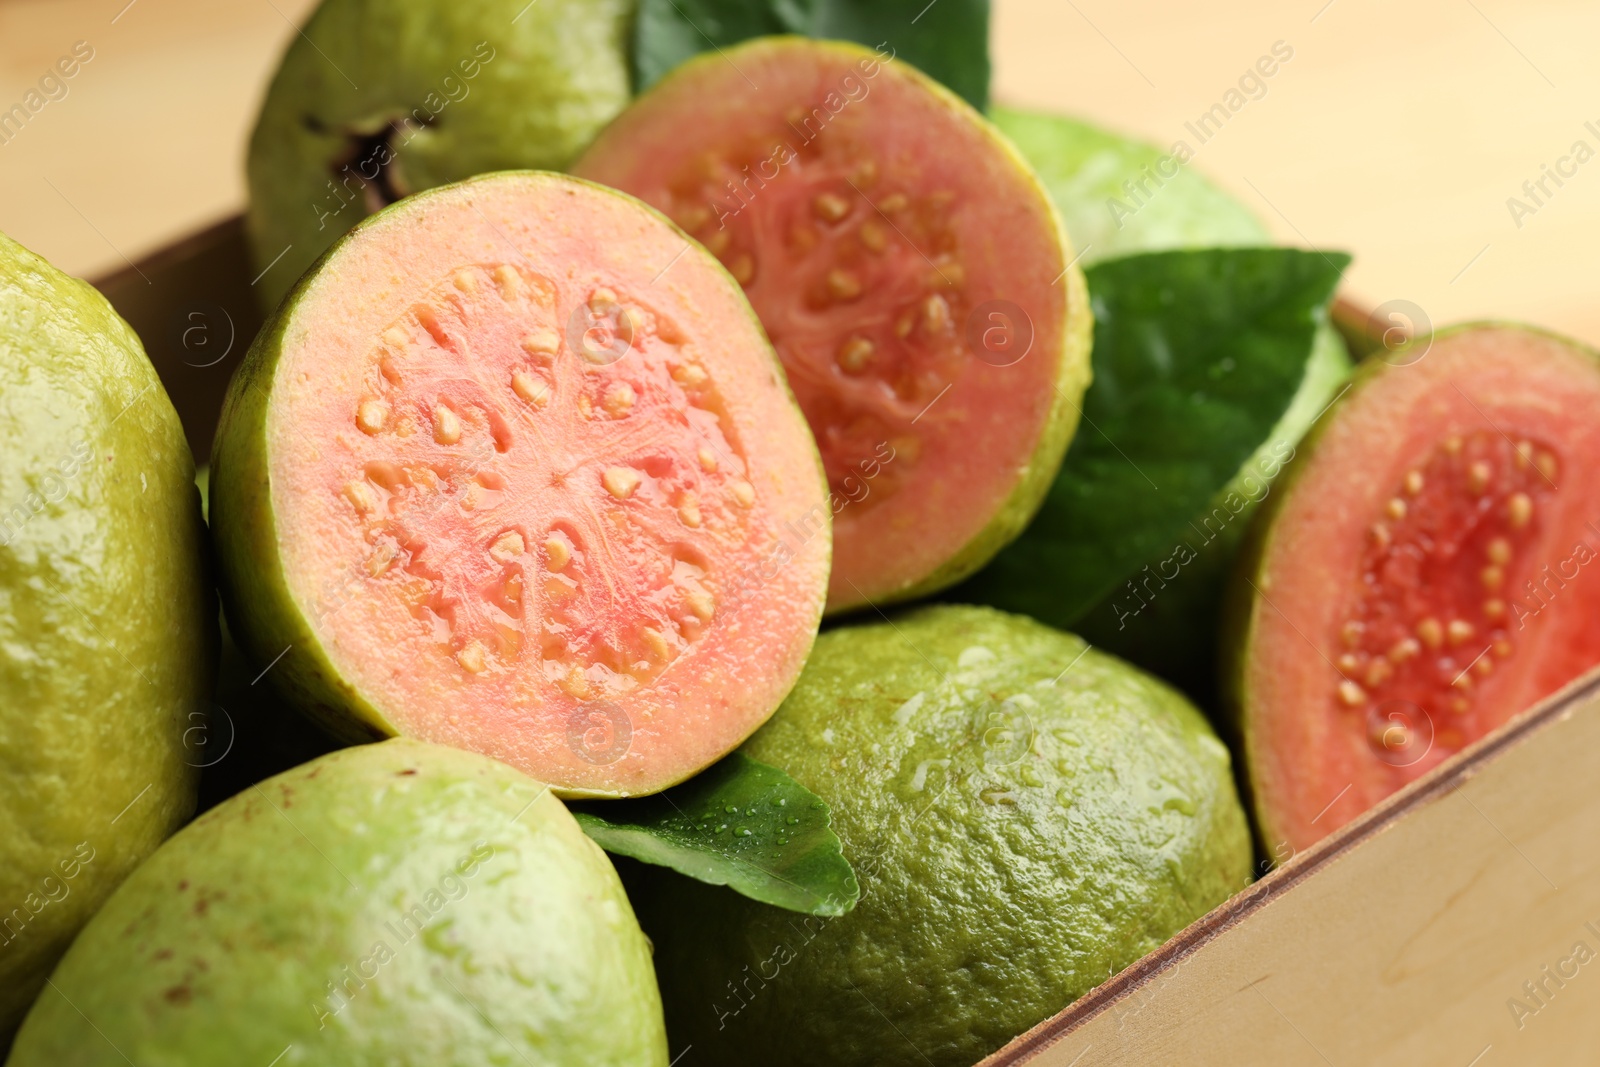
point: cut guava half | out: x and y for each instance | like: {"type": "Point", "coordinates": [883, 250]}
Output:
{"type": "Point", "coordinates": [912, 273]}
{"type": "Point", "coordinates": [1421, 575]}
{"type": "Point", "coordinates": [515, 470]}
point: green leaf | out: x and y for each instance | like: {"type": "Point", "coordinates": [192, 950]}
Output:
{"type": "Point", "coordinates": [948, 40]}
{"type": "Point", "coordinates": [1197, 354]}
{"type": "Point", "coordinates": [739, 823]}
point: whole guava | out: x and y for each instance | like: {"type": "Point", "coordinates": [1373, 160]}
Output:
{"type": "Point", "coordinates": [1026, 815]}
{"type": "Point", "coordinates": [1120, 196]}
{"type": "Point", "coordinates": [107, 619]}
{"type": "Point", "coordinates": [378, 99]}
{"type": "Point", "coordinates": [389, 905]}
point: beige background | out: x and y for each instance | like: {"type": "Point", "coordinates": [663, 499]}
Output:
{"type": "Point", "coordinates": [1397, 131]}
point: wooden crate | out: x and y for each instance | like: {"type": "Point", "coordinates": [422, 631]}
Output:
{"type": "Point", "coordinates": [1453, 925]}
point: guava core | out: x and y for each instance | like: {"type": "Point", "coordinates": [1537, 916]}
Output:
{"type": "Point", "coordinates": [1026, 816]}
{"type": "Point", "coordinates": [516, 470]}
{"type": "Point", "coordinates": [379, 99]}
{"type": "Point", "coordinates": [389, 905]}
{"type": "Point", "coordinates": [107, 617]}
{"type": "Point", "coordinates": [911, 272]}
{"type": "Point", "coordinates": [1423, 576]}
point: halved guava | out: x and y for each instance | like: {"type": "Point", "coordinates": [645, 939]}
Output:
{"type": "Point", "coordinates": [1421, 575]}
{"type": "Point", "coordinates": [515, 470]}
{"type": "Point", "coordinates": [911, 272]}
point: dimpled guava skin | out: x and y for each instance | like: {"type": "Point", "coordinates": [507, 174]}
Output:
{"type": "Point", "coordinates": [378, 99]}
{"type": "Point", "coordinates": [390, 905]}
{"type": "Point", "coordinates": [1120, 197]}
{"type": "Point", "coordinates": [1027, 816]}
{"type": "Point", "coordinates": [107, 619]}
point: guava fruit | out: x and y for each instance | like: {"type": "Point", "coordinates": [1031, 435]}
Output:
{"type": "Point", "coordinates": [514, 469]}
{"type": "Point", "coordinates": [1120, 196]}
{"type": "Point", "coordinates": [1026, 816]}
{"type": "Point", "coordinates": [378, 99]}
{"type": "Point", "coordinates": [1421, 574]}
{"type": "Point", "coordinates": [395, 904]}
{"type": "Point", "coordinates": [107, 620]}
{"type": "Point", "coordinates": [911, 272]}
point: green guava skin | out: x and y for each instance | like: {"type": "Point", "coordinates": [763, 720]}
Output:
{"type": "Point", "coordinates": [265, 621]}
{"type": "Point", "coordinates": [251, 735]}
{"type": "Point", "coordinates": [503, 85]}
{"type": "Point", "coordinates": [1084, 168]}
{"type": "Point", "coordinates": [1239, 606]}
{"type": "Point", "coordinates": [270, 931]}
{"type": "Point", "coordinates": [107, 618]}
{"type": "Point", "coordinates": [1012, 856]}
{"type": "Point", "coordinates": [1170, 632]}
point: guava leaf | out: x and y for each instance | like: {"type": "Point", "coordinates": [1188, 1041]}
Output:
{"type": "Point", "coordinates": [1197, 355]}
{"type": "Point", "coordinates": [739, 823]}
{"type": "Point", "coordinates": [946, 39]}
